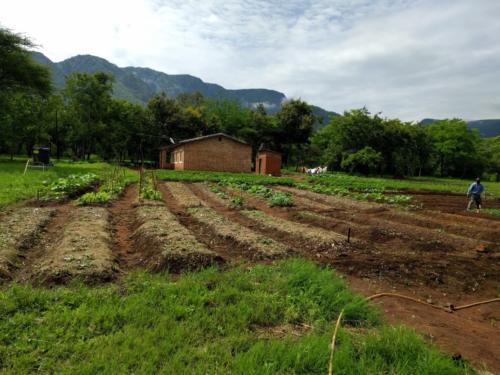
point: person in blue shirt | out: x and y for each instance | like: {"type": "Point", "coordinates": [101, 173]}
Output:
{"type": "Point", "coordinates": [474, 194]}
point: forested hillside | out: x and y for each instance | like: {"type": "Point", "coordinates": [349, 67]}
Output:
{"type": "Point", "coordinates": [138, 85]}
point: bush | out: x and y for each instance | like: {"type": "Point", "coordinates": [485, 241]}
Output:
{"type": "Point", "coordinates": [366, 161]}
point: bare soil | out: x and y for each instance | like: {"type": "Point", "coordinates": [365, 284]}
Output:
{"type": "Point", "coordinates": [20, 230]}
{"type": "Point", "coordinates": [123, 224]}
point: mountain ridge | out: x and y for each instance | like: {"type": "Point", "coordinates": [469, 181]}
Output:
{"type": "Point", "coordinates": [139, 84]}
{"type": "Point", "coordinates": [486, 128]}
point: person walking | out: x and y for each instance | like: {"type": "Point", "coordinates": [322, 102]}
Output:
{"type": "Point", "coordinates": [474, 194]}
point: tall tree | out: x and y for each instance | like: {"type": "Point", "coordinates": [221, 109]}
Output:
{"type": "Point", "coordinates": [18, 71]}
{"type": "Point", "coordinates": [22, 82]}
{"type": "Point", "coordinates": [492, 150]}
{"type": "Point", "coordinates": [295, 123]}
{"type": "Point", "coordinates": [457, 148]}
{"type": "Point", "coordinates": [88, 97]}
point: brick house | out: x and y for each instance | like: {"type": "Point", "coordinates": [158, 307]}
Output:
{"type": "Point", "coordinates": [215, 152]}
{"type": "Point", "coordinates": [268, 162]}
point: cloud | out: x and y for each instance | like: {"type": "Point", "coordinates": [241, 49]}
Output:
{"type": "Point", "coordinates": [409, 59]}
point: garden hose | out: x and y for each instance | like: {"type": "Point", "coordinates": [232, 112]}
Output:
{"type": "Point", "coordinates": [450, 308]}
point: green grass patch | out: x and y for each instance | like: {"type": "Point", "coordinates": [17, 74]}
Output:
{"type": "Point", "coordinates": [371, 195]}
{"type": "Point", "coordinates": [202, 176]}
{"type": "Point", "coordinates": [491, 211]}
{"type": "Point", "coordinates": [211, 322]}
{"type": "Point", "coordinates": [379, 184]}
{"type": "Point", "coordinates": [15, 187]}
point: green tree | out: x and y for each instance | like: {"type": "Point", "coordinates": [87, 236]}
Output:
{"type": "Point", "coordinates": [404, 148]}
{"type": "Point", "coordinates": [89, 98]}
{"type": "Point", "coordinates": [18, 71]}
{"type": "Point", "coordinates": [366, 161]}
{"type": "Point", "coordinates": [126, 127]}
{"type": "Point", "coordinates": [458, 148]}
{"type": "Point", "coordinates": [295, 125]}
{"type": "Point", "coordinates": [492, 150]}
{"type": "Point", "coordinates": [348, 134]}
{"type": "Point", "coordinates": [226, 116]}
{"type": "Point", "coordinates": [22, 84]}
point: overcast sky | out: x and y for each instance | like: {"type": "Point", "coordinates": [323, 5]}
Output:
{"type": "Point", "coordinates": [407, 58]}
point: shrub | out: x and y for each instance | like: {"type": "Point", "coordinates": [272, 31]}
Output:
{"type": "Point", "coordinates": [366, 161]}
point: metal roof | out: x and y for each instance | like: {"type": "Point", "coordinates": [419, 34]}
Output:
{"type": "Point", "coordinates": [183, 142]}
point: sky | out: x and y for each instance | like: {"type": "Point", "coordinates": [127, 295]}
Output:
{"type": "Point", "coordinates": [410, 59]}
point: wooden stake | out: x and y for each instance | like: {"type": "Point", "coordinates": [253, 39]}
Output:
{"type": "Point", "coordinates": [26, 167]}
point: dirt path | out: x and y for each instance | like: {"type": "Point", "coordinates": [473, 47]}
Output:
{"type": "Point", "coordinates": [122, 220]}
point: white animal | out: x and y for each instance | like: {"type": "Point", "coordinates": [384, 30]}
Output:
{"type": "Point", "coordinates": [317, 170]}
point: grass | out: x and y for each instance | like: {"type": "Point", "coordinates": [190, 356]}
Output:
{"type": "Point", "coordinates": [265, 319]}
{"type": "Point", "coordinates": [15, 187]}
{"type": "Point", "coordinates": [491, 211]}
{"type": "Point", "coordinates": [351, 182]}
{"type": "Point", "coordinates": [203, 176]}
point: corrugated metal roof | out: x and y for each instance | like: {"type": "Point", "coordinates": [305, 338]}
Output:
{"type": "Point", "coordinates": [183, 142]}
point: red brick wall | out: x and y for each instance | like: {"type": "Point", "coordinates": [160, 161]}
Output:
{"type": "Point", "coordinates": [165, 160]}
{"type": "Point", "coordinates": [270, 163]}
{"type": "Point", "coordinates": [215, 154]}
{"type": "Point", "coordinates": [177, 158]}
